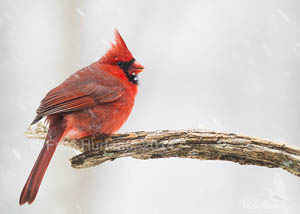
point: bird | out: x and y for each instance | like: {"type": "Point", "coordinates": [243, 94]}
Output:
{"type": "Point", "coordinates": [96, 100]}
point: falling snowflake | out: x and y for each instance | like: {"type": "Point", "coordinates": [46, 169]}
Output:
{"type": "Point", "coordinates": [80, 12]}
{"type": "Point", "coordinates": [283, 15]}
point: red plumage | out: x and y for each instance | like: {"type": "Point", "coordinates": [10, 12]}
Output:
{"type": "Point", "coordinates": [95, 100]}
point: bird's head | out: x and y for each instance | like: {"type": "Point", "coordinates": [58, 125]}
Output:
{"type": "Point", "coordinates": [121, 59]}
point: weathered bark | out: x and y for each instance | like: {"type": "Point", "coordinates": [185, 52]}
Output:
{"type": "Point", "coordinates": [196, 144]}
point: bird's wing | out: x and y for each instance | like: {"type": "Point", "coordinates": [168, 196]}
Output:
{"type": "Point", "coordinates": [74, 95]}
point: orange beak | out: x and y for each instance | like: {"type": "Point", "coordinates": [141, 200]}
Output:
{"type": "Point", "coordinates": [136, 67]}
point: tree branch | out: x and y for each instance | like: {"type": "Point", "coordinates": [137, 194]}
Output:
{"type": "Point", "coordinates": [196, 144]}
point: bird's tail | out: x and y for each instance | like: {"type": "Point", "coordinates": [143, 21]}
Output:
{"type": "Point", "coordinates": [55, 134]}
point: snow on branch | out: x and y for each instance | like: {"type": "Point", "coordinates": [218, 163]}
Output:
{"type": "Point", "coordinates": [195, 144]}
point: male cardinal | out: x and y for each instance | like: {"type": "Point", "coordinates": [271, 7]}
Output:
{"type": "Point", "coordinates": [95, 100]}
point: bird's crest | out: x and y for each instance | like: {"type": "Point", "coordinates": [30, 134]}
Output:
{"type": "Point", "coordinates": [118, 51]}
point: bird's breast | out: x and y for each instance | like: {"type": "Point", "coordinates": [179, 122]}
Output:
{"type": "Point", "coordinates": [100, 119]}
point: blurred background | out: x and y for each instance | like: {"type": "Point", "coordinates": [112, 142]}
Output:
{"type": "Point", "coordinates": [222, 65]}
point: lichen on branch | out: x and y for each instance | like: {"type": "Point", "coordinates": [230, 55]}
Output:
{"type": "Point", "coordinates": [195, 144]}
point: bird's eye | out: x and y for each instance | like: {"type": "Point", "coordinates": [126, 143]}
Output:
{"type": "Point", "coordinates": [120, 64]}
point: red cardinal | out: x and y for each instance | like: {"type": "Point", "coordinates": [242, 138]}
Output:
{"type": "Point", "coordinates": [95, 100]}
